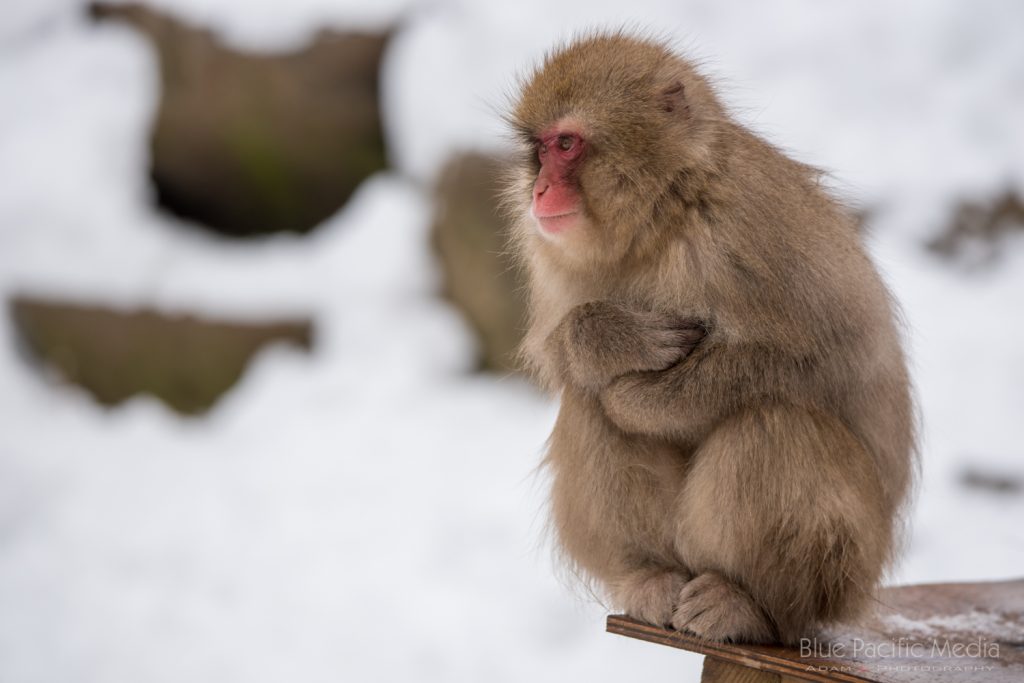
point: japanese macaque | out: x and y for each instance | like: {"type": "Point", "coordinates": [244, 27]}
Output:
{"type": "Point", "coordinates": [736, 433]}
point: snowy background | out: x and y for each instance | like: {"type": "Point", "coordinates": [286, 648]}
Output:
{"type": "Point", "coordinates": [371, 511]}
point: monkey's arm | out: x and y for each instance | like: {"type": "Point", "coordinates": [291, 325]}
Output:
{"type": "Point", "coordinates": [599, 341]}
{"type": "Point", "coordinates": [715, 381]}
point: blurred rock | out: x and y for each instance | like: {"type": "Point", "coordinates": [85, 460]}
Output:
{"type": "Point", "coordinates": [248, 144]}
{"type": "Point", "coordinates": [977, 231]}
{"type": "Point", "coordinates": [991, 480]}
{"type": "Point", "coordinates": [185, 361]}
{"type": "Point", "coordinates": [480, 276]}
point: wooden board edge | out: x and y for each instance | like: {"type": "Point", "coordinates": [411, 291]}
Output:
{"type": "Point", "coordinates": [737, 654]}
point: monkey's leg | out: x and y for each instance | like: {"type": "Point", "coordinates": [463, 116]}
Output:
{"type": "Point", "coordinates": [782, 522]}
{"type": "Point", "coordinates": [610, 498]}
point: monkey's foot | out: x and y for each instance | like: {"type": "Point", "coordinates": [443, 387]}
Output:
{"type": "Point", "coordinates": [649, 594]}
{"type": "Point", "coordinates": [712, 607]}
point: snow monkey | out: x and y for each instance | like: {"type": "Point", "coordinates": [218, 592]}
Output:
{"type": "Point", "coordinates": [735, 438]}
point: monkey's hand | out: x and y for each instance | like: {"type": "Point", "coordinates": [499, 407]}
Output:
{"type": "Point", "coordinates": [599, 341]}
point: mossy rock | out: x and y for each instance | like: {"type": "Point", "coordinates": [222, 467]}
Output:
{"type": "Point", "coordinates": [249, 144]}
{"type": "Point", "coordinates": [185, 361]}
{"type": "Point", "coordinates": [470, 237]}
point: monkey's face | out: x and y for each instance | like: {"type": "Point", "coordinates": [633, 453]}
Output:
{"type": "Point", "coordinates": [557, 204]}
{"type": "Point", "coordinates": [587, 195]}
{"type": "Point", "coordinates": [608, 130]}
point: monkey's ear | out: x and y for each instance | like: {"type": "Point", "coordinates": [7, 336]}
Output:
{"type": "Point", "coordinates": [673, 97]}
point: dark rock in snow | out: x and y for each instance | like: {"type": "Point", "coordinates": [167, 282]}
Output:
{"type": "Point", "coordinates": [187, 362]}
{"type": "Point", "coordinates": [470, 238]}
{"type": "Point", "coordinates": [248, 144]}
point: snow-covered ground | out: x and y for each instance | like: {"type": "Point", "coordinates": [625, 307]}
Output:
{"type": "Point", "coordinates": [372, 511]}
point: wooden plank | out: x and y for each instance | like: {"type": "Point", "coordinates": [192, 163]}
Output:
{"type": "Point", "coordinates": [942, 632]}
{"type": "Point", "coordinates": [721, 671]}
{"type": "Point", "coordinates": [778, 660]}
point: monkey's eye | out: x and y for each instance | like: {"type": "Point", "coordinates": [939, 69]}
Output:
{"type": "Point", "coordinates": [565, 142]}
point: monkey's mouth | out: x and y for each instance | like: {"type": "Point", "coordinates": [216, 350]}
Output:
{"type": "Point", "coordinates": [558, 223]}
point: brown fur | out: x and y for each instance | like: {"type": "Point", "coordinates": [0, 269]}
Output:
{"type": "Point", "coordinates": [736, 438]}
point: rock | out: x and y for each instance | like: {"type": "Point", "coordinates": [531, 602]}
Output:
{"type": "Point", "coordinates": [992, 480]}
{"type": "Point", "coordinates": [185, 361]}
{"type": "Point", "coordinates": [248, 144]}
{"type": "Point", "coordinates": [977, 230]}
{"type": "Point", "coordinates": [470, 239]}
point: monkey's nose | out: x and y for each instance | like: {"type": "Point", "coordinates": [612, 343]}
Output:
{"type": "Point", "coordinates": [540, 187]}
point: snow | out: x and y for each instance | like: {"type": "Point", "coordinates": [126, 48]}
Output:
{"type": "Point", "coordinates": [980, 623]}
{"type": "Point", "coordinates": [372, 511]}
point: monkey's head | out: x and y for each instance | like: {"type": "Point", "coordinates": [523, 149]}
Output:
{"type": "Point", "coordinates": [615, 131]}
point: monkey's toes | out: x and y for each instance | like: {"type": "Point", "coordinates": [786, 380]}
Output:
{"type": "Point", "coordinates": [714, 608]}
{"type": "Point", "coordinates": [649, 595]}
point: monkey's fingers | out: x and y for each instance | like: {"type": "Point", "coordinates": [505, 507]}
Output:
{"type": "Point", "coordinates": [690, 332]}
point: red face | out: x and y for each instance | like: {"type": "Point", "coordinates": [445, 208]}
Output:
{"type": "Point", "coordinates": [556, 197]}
